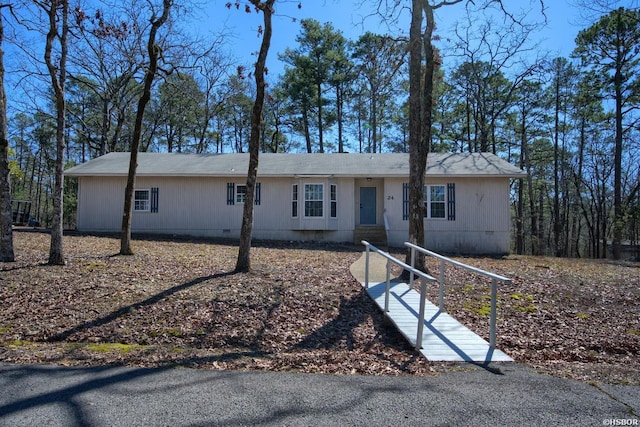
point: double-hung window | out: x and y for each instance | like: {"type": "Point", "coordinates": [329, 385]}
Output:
{"type": "Point", "coordinates": [237, 193]}
{"type": "Point", "coordinates": [434, 201]}
{"type": "Point", "coordinates": [241, 193]}
{"type": "Point", "coordinates": [142, 201]}
{"type": "Point", "coordinates": [439, 201]}
{"type": "Point", "coordinates": [313, 200]}
{"type": "Point", "coordinates": [334, 200]}
{"type": "Point", "coordinates": [294, 201]}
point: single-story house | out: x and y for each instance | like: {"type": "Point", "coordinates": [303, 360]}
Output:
{"type": "Point", "coordinates": [306, 197]}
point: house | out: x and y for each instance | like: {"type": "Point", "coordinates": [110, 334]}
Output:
{"type": "Point", "coordinates": [317, 197]}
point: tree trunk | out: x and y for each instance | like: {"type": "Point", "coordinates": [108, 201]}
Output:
{"type": "Point", "coordinates": [57, 72]}
{"type": "Point", "coordinates": [6, 215]}
{"type": "Point", "coordinates": [153, 51]}
{"type": "Point", "coordinates": [417, 153]}
{"type": "Point", "coordinates": [320, 130]}
{"type": "Point", "coordinates": [618, 215]}
{"type": "Point", "coordinates": [307, 135]}
{"type": "Point", "coordinates": [339, 108]}
{"type": "Point", "coordinates": [557, 223]}
{"type": "Point", "coordinates": [243, 263]}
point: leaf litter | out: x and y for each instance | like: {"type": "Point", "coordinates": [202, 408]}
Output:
{"type": "Point", "coordinates": [177, 302]}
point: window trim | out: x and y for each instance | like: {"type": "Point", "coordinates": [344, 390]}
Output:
{"type": "Point", "coordinates": [147, 200]}
{"type": "Point", "coordinates": [236, 199]}
{"type": "Point", "coordinates": [450, 202]}
{"type": "Point", "coordinates": [321, 200]}
{"type": "Point", "coordinates": [232, 194]}
{"type": "Point", "coordinates": [295, 198]}
{"type": "Point", "coordinates": [428, 202]}
{"type": "Point", "coordinates": [333, 201]}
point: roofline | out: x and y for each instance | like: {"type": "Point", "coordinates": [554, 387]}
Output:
{"type": "Point", "coordinates": [297, 176]}
{"type": "Point", "coordinates": [234, 171]}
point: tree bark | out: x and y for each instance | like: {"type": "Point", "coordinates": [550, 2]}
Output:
{"type": "Point", "coordinates": [417, 153]}
{"type": "Point", "coordinates": [618, 214]}
{"type": "Point", "coordinates": [243, 263]}
{"type": "Point", "coordinates": [6, 215]}
{"type": "Point", "coordinates": [153, 51]}
{"type": "Point", "coordinates": [557, 223]}
{"type": "Point", "coordinates": [58, 75]}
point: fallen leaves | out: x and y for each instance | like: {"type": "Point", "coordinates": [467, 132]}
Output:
{"type": "Point", "coordinates": [176, 303]}
{"type": "Point", "coordinates": [571, 317]}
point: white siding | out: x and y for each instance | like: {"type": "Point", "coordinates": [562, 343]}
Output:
{"type": "Point", "coordinates": [198, 207]}
{"type": "Point", "coordinates": [482, 222]}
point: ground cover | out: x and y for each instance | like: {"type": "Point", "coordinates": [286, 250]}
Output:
{"type": "Point", "coordinates": [177, 302]}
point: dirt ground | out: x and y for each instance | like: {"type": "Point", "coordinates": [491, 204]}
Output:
{"type": "Point", "coordinates": [178, 303]}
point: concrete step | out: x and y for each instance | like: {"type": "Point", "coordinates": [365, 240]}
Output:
{"type": "Point", "coordinates": [374, 235]}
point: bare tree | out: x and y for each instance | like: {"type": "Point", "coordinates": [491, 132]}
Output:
{"type": "Point", "coordinates": [153, 50]}
{"type": "Point", "coordinates": [57, 12]}
{"type": "Point", "coordinates": [6, 230]}
{"type": "Point", "coordinates": [610, 46]}
{"type": "Point", "coordinates": [423, 62]}
{"type": "Point", "coordinates": [243, 263]}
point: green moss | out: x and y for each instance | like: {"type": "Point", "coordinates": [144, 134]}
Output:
{"type": "Point", "coordinates": [526, 308]}
{"type": "Point", "coordinates": [114, 347]}
{"type": "Point", "coordinates": [483, 310]}
{"type": "Point", "coordinates": [95, 265]}
{"type": "Point", "coordinates": [582, 316]}
{"type": "Point", "coordinates": [516, 296]}
{"type": "Point", "coordinates": [634, 332]}
{"type": "Point", "coordinates": [5, 329]}
{"type": "Point", "coordinates": [13, 344]}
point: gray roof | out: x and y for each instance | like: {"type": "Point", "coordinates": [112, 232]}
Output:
{"type": "Point", "coordinates": [287, 165]}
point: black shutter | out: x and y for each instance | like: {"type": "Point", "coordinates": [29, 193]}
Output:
{"type": "Point", "coordinates": [451, 201]}
{"type": "Point", "coordinates": [405, 201]}
{"type": "Point", "coordinates": [154, 199]}
{"type": "Point", "coordinates": [231, 190]}
{"type": "Point", "coordinates": [257, 195]}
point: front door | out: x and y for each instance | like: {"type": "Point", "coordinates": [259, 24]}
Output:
{"type": "Point", "coordinates": [367, 205]}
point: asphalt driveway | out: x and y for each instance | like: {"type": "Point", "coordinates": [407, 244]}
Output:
{"type": "Point", "coordinates": [466, 395]}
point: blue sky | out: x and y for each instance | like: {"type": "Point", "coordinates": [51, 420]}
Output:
{"type": "Point", "coordinates": [557, 37]}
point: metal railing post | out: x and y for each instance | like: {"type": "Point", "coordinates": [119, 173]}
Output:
{"type": "Point", "coordinates": [494, 285]}
{"type": "Point", "coordinates": [441, 290]}
{"type": "Point", "coordinates": [366, 268]}
{"type": "Point", "coordinates": [413, 265]}
{"type": "Point", "coordinates": [492, 325]}
{"type": "Point", "coordinates": [423, 293]}
{"type": "Point", "coordinates": [388, 287]}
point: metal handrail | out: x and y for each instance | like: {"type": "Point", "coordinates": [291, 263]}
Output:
{"type": "Point", "coordinates": [413, 271]}
{"type": "Point", "coordinates": [494, 285]}
{"type": "Point", "coordinates": [386, 227]}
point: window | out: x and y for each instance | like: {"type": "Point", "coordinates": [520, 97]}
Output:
{"type": "Point", "coordinates": [241, 193]}
{"type": "Point", "coordinates": [141, 201]}
{"type": "Point", "coordinates": [313, 200]}
{"type": "Point", "coordinates": [334, 201]}
{"type": "Point", "coordinates": [294, 201]}
{"type": "Point", "coordinates": [437, 203]}
{"type": "Point", "coordinates": [238, 193]}
{"type": "Point", "coordinates": [434, 201]}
